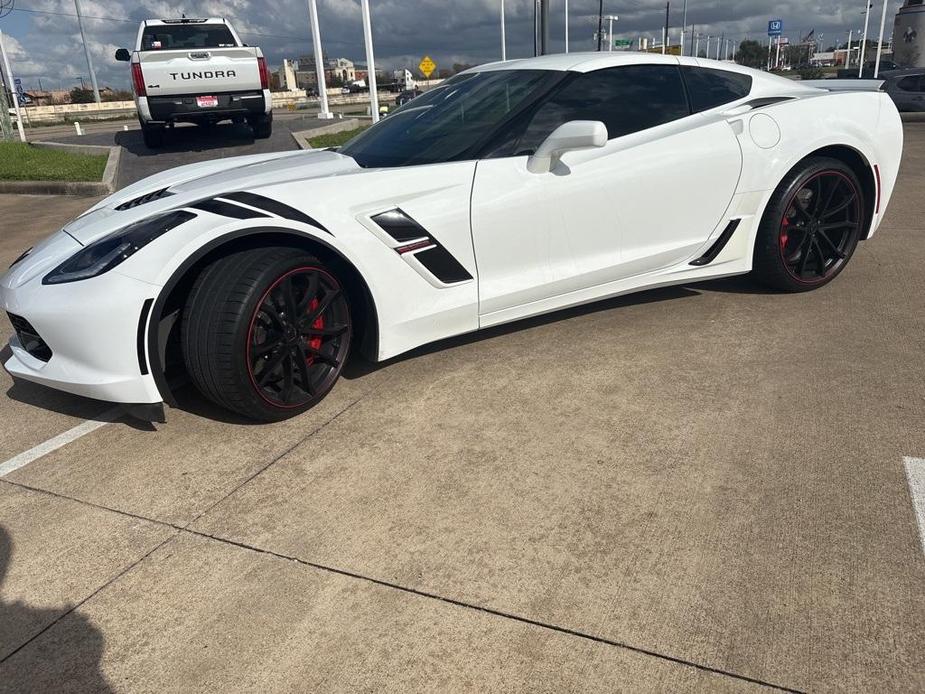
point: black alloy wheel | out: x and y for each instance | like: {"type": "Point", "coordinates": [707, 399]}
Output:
{"type": "Point", "coordinates": [811, 227]}
{"type": "Point", "coordinates": [295, 345]}
{"type": "Point", "coordinates": [266, 332]}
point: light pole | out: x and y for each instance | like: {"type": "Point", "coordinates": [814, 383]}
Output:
{"type": "Point", "coordinates": [611, 18]}
{"type": "Point", "coordinates": [880, 40]}
{"type": "Point", "coordinates": [848, 56]}
{"type": "Point", "coordinates": [503, 35]}
{"type": "Point", "coordinates": [319, 64]}
{"type": "Point", "coordinates": [683, 26]}
{"type": "Point", "coordinates": [9, 76]}
{"type": "Point", "coordinates": [864, 40]}
{"type": "Point", "coordinates": [370, 62]}
{"type": "Point", "coordinates": [80, 24]}
{"type": "Point", "coordinates": [566, 23]}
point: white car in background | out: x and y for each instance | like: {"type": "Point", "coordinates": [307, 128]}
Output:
{"type": "Point", "coordinates": [510, 190]}
{"type": "Point", "coordinates": [197, 71]}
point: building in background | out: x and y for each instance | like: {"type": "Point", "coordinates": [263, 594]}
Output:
{"type": "Point", "coordinates": [909, 34]}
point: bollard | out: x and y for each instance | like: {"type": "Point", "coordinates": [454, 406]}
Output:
{"type": "Point", "coordinates": [77, 128]}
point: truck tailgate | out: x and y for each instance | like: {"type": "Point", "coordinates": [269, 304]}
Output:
{"type": "Point", "coordinates": [206, 71]}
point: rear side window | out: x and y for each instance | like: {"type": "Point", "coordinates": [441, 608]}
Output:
{"type": "Point", "coordinates": [169, 37]}
{"type": "Point", "coordinates": [710, 88]}
{"type": "Point", "coordinates": [626, 99]}
{"type": "Point", "coordinates": [910, 83]}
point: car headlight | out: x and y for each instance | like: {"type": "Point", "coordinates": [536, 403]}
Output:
{"type": "Point", "coordinates": [104, 254]}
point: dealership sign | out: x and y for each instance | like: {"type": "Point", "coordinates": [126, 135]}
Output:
{"type": "Point", "coordinates": [775, 27]}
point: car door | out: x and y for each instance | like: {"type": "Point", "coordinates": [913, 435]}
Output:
{"type": "Point", "coordinates": [646, 200]}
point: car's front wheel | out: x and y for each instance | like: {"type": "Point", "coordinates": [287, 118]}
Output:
{"type": "Point", "coordinates": [811, 226]}
{"type": "Point", "coordinates": [266, 332]}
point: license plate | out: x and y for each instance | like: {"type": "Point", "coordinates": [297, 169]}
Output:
{"type": "Point", "coordinates": [207, 101]}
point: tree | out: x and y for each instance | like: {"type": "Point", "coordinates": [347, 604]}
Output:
{"type": "Point", "coordinates": [79, 95]}
{"type": "Point", "coordinates": [752, 54]}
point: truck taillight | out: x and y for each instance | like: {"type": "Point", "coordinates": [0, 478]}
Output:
{"type": "Point", "coordinates": [138, 80]}
{"type": "Point", "coordinates": [264, 77]}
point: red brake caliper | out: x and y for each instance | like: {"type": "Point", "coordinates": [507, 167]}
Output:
{"type": "Point", "coordinates": [318, 323]}
{"type": "Point", "coordinates": [784, 234]}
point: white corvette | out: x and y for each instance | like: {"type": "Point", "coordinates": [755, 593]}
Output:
{"type": "Point", "coordinates": [510, 190]}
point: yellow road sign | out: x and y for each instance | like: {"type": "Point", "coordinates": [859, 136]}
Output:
{"type": "Point", "coordinates": [427, 66]}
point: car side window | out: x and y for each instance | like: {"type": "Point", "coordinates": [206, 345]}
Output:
{"type": "Point", "coordinates": [626, 99]}
{"type": "Point", "coordinates": [910, 83]}
{"type": "Point", "coordinates": [709, 88]}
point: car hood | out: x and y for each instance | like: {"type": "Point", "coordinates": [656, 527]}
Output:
{"type": "Point", "coordinates": [189, 184]}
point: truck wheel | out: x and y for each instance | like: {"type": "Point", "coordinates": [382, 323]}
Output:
{"type": "Point", "coordinates": [153, 135]}
{"type": "Point", "coordinates": [262, 126]}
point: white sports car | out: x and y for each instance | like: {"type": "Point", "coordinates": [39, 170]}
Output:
{"type": "Point", "coordinates": [510, 190]}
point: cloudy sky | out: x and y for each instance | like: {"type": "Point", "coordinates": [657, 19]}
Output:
{"type": "Point", "coordinates": [44, 43]}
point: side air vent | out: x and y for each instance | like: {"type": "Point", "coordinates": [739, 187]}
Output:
{"type": "Point", "coordinates": [414, 240]}
{"type": "Point", "coordinates": [143, 199]}
{"type": "Point", "coordinates": [718, 245]}
{"type": "Point", "coordinates": [29, 338]}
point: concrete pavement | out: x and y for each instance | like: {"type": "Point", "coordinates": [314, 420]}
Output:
{"type": "Point", "coordinates": [697, 489]}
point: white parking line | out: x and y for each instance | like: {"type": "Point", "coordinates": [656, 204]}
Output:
{"type": "Point", "coordinates": [915, 475]}
{"type": "Point", "coordinates": [60, 440]}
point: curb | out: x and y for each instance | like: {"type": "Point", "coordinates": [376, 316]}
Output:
{"type": "Point", "coordinates": [303, 136]}
{"type": "Point", "coordinates": [82, 188]}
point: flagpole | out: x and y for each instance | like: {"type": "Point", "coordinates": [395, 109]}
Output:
{"type": "Point", "coordinates": [880, 40]}
{"type": "Point", "coordinates": [864, 40]}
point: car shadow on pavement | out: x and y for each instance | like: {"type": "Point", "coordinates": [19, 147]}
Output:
{"type": "Point", "coordinates": [70, 657]}
{"type": "Point", "coordinates": [193, 138]}
{"type": "Point", "coordinates": [357, 367]}
{"type": "Point", "coordinates": [740, 284]}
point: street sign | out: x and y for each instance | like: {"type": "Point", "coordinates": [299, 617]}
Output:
{"type": "Point", "coordinates": [20, 92]}
{"type": "Point", "coordinates": [427, 66]}
{"type": "Point", "coordinates": [775, 27]}
{"type": "Point", "coordinates": [622, 43]}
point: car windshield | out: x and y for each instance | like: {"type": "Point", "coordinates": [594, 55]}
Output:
{"type": "Point", "coordinates": [168, 37]}
{"type": "Point", "coordinates": [452, 121]}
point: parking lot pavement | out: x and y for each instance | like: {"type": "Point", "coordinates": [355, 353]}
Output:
{"type": "Point", "coordinates": [187, 144]}
{"type": "Point", "coordinates": [697, 488]}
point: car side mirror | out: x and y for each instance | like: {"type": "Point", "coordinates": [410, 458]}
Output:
{"type": "Point", "coordinates": [576, 134]}
{"type": "Point", "coordinates": [123, 56]}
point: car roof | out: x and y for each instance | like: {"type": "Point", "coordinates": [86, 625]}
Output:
{"type": "Point", "coordinates": [764, 83]}
{"type": "Point", "coordinates": [185, 21]}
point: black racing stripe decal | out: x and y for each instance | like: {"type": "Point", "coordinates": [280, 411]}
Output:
{"type": "Point", "coordinates": [140, 340]}
{"type": "Point", "coordinates": [399, 226]}
{"type": "Point", "coordinates": [274, 207]}
{"type": "Point", "coordinates": [226, 209]}
{"type": "Point", "coordinates": [442, 265]}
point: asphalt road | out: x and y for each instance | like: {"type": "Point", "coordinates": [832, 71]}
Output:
{"type": "Point", "coordinates": [189, 143]}
{"type": "Point", "coordinates": [693, 489]}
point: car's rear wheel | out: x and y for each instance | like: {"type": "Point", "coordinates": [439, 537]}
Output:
{"type": "Point", "coordinates": [262, 126]}
{"type": "Point", "coordinates": [811, 226]}
{"type": "Point", "coordinates": [153, 135]}
{"type": "Point", "coordinates": [266, 332]}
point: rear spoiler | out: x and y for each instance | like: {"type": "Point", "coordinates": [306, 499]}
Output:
{"type": "Point", "coordinates": [845, 85]}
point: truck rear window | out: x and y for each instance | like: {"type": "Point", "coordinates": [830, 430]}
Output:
{"type": "Point", "coordinates": [186, 36]}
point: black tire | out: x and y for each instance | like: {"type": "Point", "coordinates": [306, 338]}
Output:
{"type": "Point", "coordinates": [811, 226]}
{"type": "Point", "coordinates": [242, 348]}
{"type": "Point", "coordinates": [262, 126]}
{"type": "Point", "coordinates": [153, 135]}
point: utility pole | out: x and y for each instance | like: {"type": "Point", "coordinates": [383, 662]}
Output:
{"type": "Point", "coordinates": [864, 40]}
{"type": "Point", "coordinates": [665, 39]}
{"type": "Point", "coordinates": [319, 62]}
{"type": "Point", "coordinates": [544, 27]}
{"type": "Point", "coordinates": [600, 24]}
{"type": "Point", "coordinates": [80, 24]}
{"type": "Point", "coordinates": [504, 37]}
{"type": "Point", "coordinates": [880, 40]}
{"type": "Point", "coordinates": [370, 62]}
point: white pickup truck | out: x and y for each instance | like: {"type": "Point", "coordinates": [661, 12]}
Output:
{"type": "Point", "coordinates": [197, 71]}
